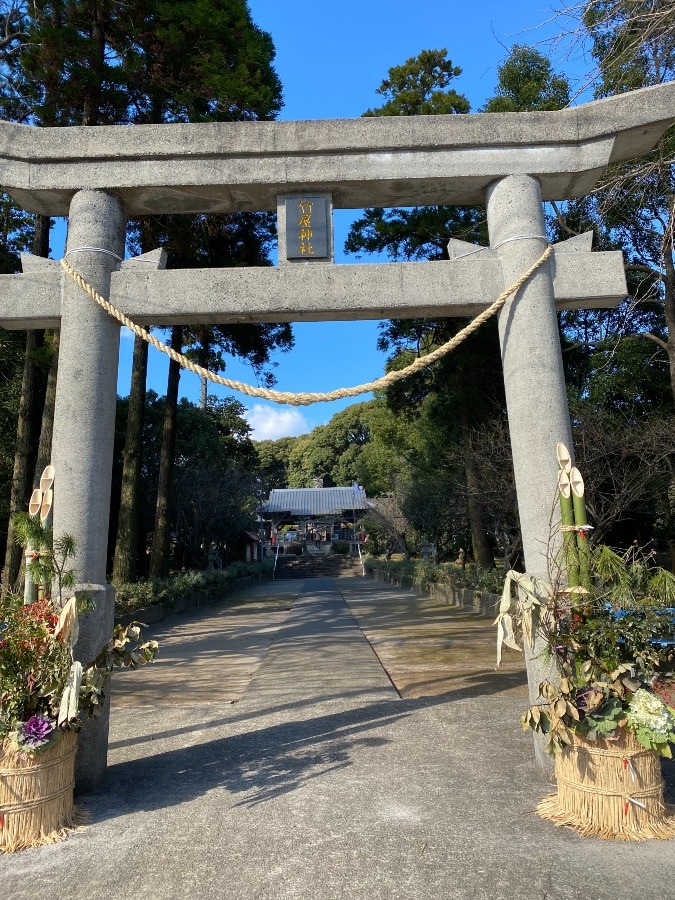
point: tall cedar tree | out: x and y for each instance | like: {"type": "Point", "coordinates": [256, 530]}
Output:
{"type": "Point", "coordinates": [633, 44]}
{"type": "Point", "coordinates": [20, 370]}
{"type": "Point", "coordinates": [99, 62]}
{"type": "Point", "coordinates": [621, 362]}
{"type": "Point", "coordinates": [230, 79]}
{"type": "Point", "coordinates": [33, 443]}
{"type": "Point", "coordinates": [599, 369]}
{"type": "Point", "coordinates": [214, 481]}
{"type": "Point", "coordinates": [422, 86]}
{"type": "Point", "coordinates": [53, 71]}
{"type": "Point", "coordinates": [466, 388]}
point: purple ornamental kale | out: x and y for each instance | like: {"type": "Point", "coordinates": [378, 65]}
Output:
{"type": "Point", "coordinates": [36, 732]}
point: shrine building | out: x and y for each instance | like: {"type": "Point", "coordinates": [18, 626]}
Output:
{"type": "Point", "coordinates": [315, 516]}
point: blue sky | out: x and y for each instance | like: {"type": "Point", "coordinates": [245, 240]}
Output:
{"type": "Point", "coordinates": [331, 56]}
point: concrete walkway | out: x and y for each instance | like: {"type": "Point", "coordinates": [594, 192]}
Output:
{"type": "Point", "coordinates": [268, 754]}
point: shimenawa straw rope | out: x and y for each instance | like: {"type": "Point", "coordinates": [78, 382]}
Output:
{"type": "Point", "coordinates": [305, 399]}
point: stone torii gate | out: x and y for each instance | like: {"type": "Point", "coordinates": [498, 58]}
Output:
{"type": "Point", "coordinates": [509, 161]}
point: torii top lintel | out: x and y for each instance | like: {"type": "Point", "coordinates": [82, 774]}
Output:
{"type": "Point", "coordinates": [388, 161]}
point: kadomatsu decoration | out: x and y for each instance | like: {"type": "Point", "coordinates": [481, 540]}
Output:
{"type": "Point", "coordinates": [608, 622]}
{"type": "Point", "coordinates": [45, 694]}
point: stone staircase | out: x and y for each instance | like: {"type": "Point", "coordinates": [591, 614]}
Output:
{"type": "Point", "coordinates": [331, 565]}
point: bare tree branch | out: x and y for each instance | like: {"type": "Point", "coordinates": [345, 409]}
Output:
{"type": "Point", "coordinates": [637, 267]}
{"type": "Point", "coordinates": [652, 337]}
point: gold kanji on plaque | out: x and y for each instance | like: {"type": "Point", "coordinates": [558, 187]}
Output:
{"type": "Point", "coordinates": [307, 227]}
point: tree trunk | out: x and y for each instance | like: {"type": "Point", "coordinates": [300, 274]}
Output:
{"type": "Point", "coordinates": [24, 456]}
{"type": "Point", "coordinates": [126, 545]}
{"type": "Point", "coordinates": [668, 251]}
{"type": "Point", "coordinates": [204, 362]}
{"type": "Point", "coordinates": [91, 108]}
{"type": "Point", "coordinates": [44, 449]}
{"type": "Point", "coordinates": [159, 555]}
{"type": "Point", "coordinates": [482, 550]}
{"type": "Point", "coordinates": [27, 430]}
{"type": "Point", "coordinates": [41, 236]}
{"type": "Point", "coordinates": [44, 453]}
{"type": "Point", "coordinates": [669, 311]}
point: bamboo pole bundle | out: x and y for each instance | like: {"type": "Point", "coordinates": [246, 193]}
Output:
{"type": "Point", "coordinates": [611, 790]}
{"type": "Point", "coordinates": [36, 794]}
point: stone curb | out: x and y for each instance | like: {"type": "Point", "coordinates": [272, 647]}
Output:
{"type": "Point", "coordinates": [158, 611]}
{"type": "Point", "coordinates": [481, 602]}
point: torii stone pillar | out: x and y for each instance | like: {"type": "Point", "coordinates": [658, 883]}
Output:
{"type": "Point", "coordinates": [532, 363]}
{"type": "Point", "coordinates": [534, 382]}
{"type": "Point", "coordinates": [84, 428]}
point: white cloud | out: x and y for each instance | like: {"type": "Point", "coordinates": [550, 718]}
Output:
{"type": "Point", "coordinates": [270, 422]}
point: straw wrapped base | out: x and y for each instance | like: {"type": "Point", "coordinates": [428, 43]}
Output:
{"type": "Point", "coordinates": [611, 790]}
{"type": "Point", "coordinates": [36, 794]}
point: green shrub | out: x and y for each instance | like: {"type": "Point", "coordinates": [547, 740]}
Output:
{"type": "Point", "coordinates": [341, 547]}
{"type": "Point", "coordinates": [425, 573]}
{"type": "Point", "coordinates": [480, 579]}
{"type": "Point", "coordinates": [193, 584]}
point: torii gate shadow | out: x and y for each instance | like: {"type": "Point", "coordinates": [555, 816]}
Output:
{"type": "Point", "coordinates": [259, 763]}
{"type": "Point", "coordinates": [270, 761]}
{"type": "Point", "coordinates": [264, 763]}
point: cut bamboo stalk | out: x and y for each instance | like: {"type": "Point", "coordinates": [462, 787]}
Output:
{"type": "Point", "coordinates": [581, 521]}
{"type": "Point", "coordinates": [569, 543]}
{"type": "Point", "coordinates": [35, 503]}
{"type": "Point", "coordinates": [46, 506]}
{"type": "Point", "coordinates": [47, 512]}
{"type": "Point", "coordinates": [564, 457]}
{"type": "Point", "coordinates": [29, 588]}
{"type": "Point", "coordinates": [47, 478]}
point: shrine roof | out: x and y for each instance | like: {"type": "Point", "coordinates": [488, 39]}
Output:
{"type": "Point", "coordinates": [387, 161]}
{"type": "Point", "coordinates": [316, 501]}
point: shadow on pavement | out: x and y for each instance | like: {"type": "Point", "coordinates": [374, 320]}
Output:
{"type": "Point", "coordinates": [262, 763]}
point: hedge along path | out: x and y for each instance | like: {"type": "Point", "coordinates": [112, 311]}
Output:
{"type": "Point", "coordinates": [306, 399]}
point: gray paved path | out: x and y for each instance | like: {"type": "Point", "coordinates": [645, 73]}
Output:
{"type": "Point", "coordinates": [287, 766]}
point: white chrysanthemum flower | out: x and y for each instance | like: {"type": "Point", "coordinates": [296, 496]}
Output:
{"type": "Point", "coordinates": [648, 711]}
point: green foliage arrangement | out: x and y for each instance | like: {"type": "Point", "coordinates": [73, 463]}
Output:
{"type": "Point", "coordinates": [51, 555]}
{"type": "Point", "coordinates": [125, 649]}
{"type": "Point", "coordinates": [341, 547]}
{"type": "Point", "coordinates": [43, 689]}
{"type": "Point", "coordinates": [614, 648]}
{"type": "Point", "coordinates": [34, 664]}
